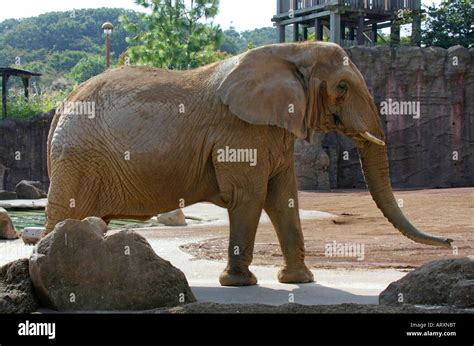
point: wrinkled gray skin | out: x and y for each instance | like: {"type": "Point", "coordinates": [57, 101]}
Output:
{"type": "Point", "coordinates": [154, 141]}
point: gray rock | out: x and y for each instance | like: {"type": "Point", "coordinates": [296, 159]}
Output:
{"type": "Point", "coordinates": [3, 174]}
{"type": "Point", "coordinates": [32, 235]}
{"type": "Point", "coordinates": [322, 166]}
{"type": "Point", "coordinates": [440, 282]}
{"type": "Point", "coordinates": [347, 308]}
{"type": "Point", "coordinates": [17, 295]}
{"type": "Point", "coordinates": [76, 268]}
{"type": "Point", "coordinates": [305, 163]}
{"type": "Point", "coordinates": [23, 149]}
{"type": "Point", "coordinates": [173, 218]}
{"type": "Point", "coordinates": [29, 190]}
{"type": "Point", "coordinates": [7, 229]}
{"type": "Point", "coordinates": [463, 294]}
{"type": "Point", "coordinates": [6, 195]}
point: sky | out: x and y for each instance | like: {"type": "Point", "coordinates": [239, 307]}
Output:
{"type": "Point", "coordinates": [243, 14]}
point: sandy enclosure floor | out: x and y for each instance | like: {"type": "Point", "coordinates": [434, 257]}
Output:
{"type": "Point", "coordinates": [443, 212]}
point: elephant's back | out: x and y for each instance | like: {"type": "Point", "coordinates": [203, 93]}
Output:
{"type": "Point", "coordinates": [138, 110]}
{"type": "Point", "coordinates": [144, 84]}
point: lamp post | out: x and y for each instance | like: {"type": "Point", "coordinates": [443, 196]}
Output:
{"type": "Point", "coordinates": [107, 29]}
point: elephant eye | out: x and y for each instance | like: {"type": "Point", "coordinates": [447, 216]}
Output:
{"type": "Point", "coordinates": [342, 87]}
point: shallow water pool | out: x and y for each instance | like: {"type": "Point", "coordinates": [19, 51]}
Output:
{"type": "Point", "coordinates": [36, 218]}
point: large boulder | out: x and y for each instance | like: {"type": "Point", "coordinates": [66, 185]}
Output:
{"type": "Point", "coordinates": [440, 282]}
{"type": "Point", "coordinates": [6, 195]}
{"type": "Point", "coordinates": [76, 267]}
{"type": "Point", "coordinates": [7, 229]}
{"type": "Point", "coordinates": [26, 189]}
{"type": "Point", "coordinates": [173, 218]}
{"type": "Point", "coordinates": [16, 290]}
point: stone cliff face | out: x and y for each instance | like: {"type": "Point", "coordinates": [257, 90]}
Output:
{"type": "Point", "coordinates": [23, 150]}
{"type": "Point", "coordinates": [434, 150]}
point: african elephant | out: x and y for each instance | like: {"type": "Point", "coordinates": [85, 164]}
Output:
{"type": "Point", "coordinates": [161, 139]}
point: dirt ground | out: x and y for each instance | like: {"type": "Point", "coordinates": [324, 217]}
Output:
{"type": "Point", "coordinates": [443, 212]}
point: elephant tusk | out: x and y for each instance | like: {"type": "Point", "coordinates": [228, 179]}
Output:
{"type": "Point", "coordinates": [372, 138]}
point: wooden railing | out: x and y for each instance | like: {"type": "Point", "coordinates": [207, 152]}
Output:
{"type": "Point", "coordinates": [382, 5]}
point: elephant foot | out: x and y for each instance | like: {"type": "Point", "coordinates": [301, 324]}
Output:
{"type": "Point", "coordinates": [295, 275]}
{"type": "Point", "coordinates": [237, 277]}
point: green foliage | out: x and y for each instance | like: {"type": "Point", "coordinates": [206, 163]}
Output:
{"type": "Point", "coordinates": [236, 43]}
{"type": "Point", "coordinates": [175, 36]}
{"type": "Point", "coordinates": [20, 108]}
{"type": "Point", "coordinates": [78, 30]}
{"type": "Point", "coordinates": [449, 24]}
{"type": "Point", "coordinates": [87, 67]}
{"type": "Point", "coordinates": [261, 36]}
{"type": "Point", "coordinates": [53, 43]}
{"type": "Point", "coordinates": [232, 43]}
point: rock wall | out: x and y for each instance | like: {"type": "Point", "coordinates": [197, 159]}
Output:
{"type": "Point", "coordinates": [435, 150]}
{"type": "Point", "coordinates": [23, 150]}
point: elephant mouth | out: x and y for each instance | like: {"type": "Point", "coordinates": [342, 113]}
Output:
{"type": "Point", "coordinates": [368, 137]}
{"type": "Point", "coordinates": [363, 137]}
{"type": "Point", "coordinates": [359, 136]}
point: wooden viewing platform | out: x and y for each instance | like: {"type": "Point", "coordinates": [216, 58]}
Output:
{"type": "Point", "coordinates": [347, 22]}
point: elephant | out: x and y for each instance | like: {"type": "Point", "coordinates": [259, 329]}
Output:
{"type": "Point", "coordinates": [223, 133]}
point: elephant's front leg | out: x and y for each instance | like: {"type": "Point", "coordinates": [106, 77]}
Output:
{"type": "Point", "coordinates": [244, 218]}
{"type": "Point", "coordinates": [281, 206]}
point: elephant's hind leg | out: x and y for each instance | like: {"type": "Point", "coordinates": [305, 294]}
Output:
{"type": "Point", "coordinates": [73, 194]}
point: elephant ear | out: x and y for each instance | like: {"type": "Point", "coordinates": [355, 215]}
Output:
{"type": "Point", "coordinates": [263, 89]}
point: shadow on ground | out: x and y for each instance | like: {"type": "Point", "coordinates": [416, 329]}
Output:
{"type": "Point", "coordinates": [307, 294]}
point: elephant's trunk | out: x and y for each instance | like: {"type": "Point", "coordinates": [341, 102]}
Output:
{"type": "Point", "coordinates": [374, 162]}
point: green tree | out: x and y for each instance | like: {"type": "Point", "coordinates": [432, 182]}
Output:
{"type": "Point", "coordinates": [76, 30]}
{"type": "Point", "coordinates": [54, 42]}
{"type": "Point", "coordinates": [87, 67]}
{"type": "Point", "coordinates": [260, 37]}
{"type": "Point", "coordinates": [232, 42]}
{"type": "Point", "coordinates": [175, 36]}
{"type": "Point", "coordinates": [449, 24]}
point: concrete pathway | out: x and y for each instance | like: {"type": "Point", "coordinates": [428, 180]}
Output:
{"type": "Point", "coordinates": [24, 203]}
{"type": "Point", "coordinates": [331, 286]}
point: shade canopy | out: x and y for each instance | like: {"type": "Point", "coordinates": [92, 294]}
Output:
{"type": "Point", "coordinates": [25, 76]}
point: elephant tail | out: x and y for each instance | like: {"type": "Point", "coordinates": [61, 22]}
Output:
{"type": "Point", "coordinates": [54, 123]}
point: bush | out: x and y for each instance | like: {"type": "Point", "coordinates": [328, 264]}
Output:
{"type": "Point", "coordinates": [87, 67]}
{"type": "Point", "coordinates": [20, 108]}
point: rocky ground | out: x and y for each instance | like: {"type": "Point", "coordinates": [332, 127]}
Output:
{"type": "Point", "coordinates": [213, 308]}
{"type": "Point", "coordinates": [446, 212]}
